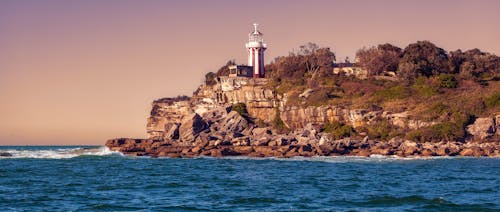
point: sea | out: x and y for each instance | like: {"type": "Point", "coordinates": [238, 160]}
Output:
{"type": "Point", "coordinates": [93, 178]}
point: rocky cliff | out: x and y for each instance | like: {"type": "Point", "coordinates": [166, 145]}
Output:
{"type": "Point", "coordinates": [207, 124]}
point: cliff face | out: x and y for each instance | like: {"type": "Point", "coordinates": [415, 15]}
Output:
{"type": "Point", "coordinates": [167, 114]}
{"type": "Point", "coordinates": [297, 117]}
{"type": "Point", "coordinates": [170, 116]}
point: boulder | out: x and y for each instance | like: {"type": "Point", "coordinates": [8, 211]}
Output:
{"type": "Point", "coordinates": [242, 141]}
{"type": "Point", "coordinates": [243, 150]}
{"type": "Point", "coordinates": [427, 153]}
{"type": "Point", "coordinates": [172, 131]}
{"type": "Point", "coordinates": [265, 151]}
{"type": "Point", "coordinates": [472, 152]}
{"type": "Point", "coordinates": [409, 148]}
{"type": "Point", "coordinates": [233, 122]}
{"type": "Point", "coordinates": [191, 126]}
{"type": "Point", "coordinates": [325, 139]}
{"type": "Point", "coordinates": [497, 126]}
{"type": "Point", "coordinates": [482, 128]}
{"type": "Point", "coordinates": [261, 131]}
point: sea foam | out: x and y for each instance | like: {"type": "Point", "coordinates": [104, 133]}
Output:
{"type": "Point", "coordinates": [61, 153]}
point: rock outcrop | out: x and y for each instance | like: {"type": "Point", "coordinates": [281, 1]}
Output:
{"type": "Point", "coordinates": [205, 124]}
{"type": "Point", "coordinates": [283, 147]}
{"type": "Point", "coordinates": [483, 128]}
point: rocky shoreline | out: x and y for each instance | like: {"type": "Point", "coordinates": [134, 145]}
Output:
{"type": "Point", "coordinates": [344, 147]}
{"type": "Point", "coordinates": [221, 132]}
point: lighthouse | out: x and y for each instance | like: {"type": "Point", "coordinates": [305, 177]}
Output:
{"type": "Point", "coordinates": [256, 48]}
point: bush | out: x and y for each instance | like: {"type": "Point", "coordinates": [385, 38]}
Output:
{"type": "Point", "coordinates": [338, 130]}
{"type": "Point", "coordinates": [278, 123]}
{"type": "Point", "coordinates": [392, 93]}
{"type": "Point", "coordinates": [241, 108]}
{"type": "Point", "coordinates": [446, 131]}
{"type": "Point", "coordinates": [447, 81]}
{"type": "Point", "coordinates": [452, 130]}
{"type": "Point", "coordinates": [383, 130]}
{"type": "Point", "coordinates": [423, 88]}
{"type": "Point", "coordinates": [210, 78]}
{"type": "Point", "coordinates": [435, 111]}
{"type": "Point", "coordinates": [492, 101]}
{"type": "Point", "coordinates": [318, 98]}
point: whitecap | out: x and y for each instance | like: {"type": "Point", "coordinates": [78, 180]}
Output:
{"type": "Point", "coordinates": [60, 153]}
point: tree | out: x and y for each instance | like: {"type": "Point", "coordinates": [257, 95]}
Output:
{"type": "Point", "coordinates": [310, 59]}
{"type": "Point", "coordinates": [475, 64]}
{"type": "Point", "coordinates": [315, 58]}
{"type": "Point", "coordinates": [210, 78]}
{"type": "Point", "coordinates": [422, 58]}
{"type": "Point", "coordinates": [384, 57]}
{"type": "Point", "coordinates": [224, 70]}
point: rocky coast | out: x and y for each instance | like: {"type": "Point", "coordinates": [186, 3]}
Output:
{"type": "Point", "coordinates": [283, 116]}
{"type": "Point", "coordinates": [221, 132]}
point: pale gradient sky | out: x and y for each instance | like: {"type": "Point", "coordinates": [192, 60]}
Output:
{"type": "Point", "coordinates": [81, 72]}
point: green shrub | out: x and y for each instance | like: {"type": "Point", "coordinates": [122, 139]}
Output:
{"type": "Point", "coordinates": [424, 88]}
{"type": "Point", "coordinates": [492, 101]}
{"type": "Point", "coordinates": [241, 108]}
{"type": "Point", "coordinates": [392, 93]}
{"type": "Point", "coordinates": [278, 123]}
{"type": "Point", "coordinates": [338, 130]}
{"type": "Point", "coordinates": [446, 131]}
{"type": "Point", "coordinates": [383, 130]}
{"type": "Point", "coordinates": [436, 110]}
{"type": "Point", "coordinates": [447, 81]}
{"type": "Point", "coordinates": [452, 130]}
{"type": "Point", "coordinates": [318, 98]}
{"type": "Point", "coordinates": [210, 78]}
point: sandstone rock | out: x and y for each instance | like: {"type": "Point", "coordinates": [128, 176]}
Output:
{"type": "Point", "coordinates": [215, 115]}
{"type": "Point", "coordinates": [395, 142]}
{"type": "Point", "coordinates": [261, 131]}
{"type": "Point", "coordinates": [266, 151]}
{"type": "Point", "coordinates": [262, 141]}
{"type": "Point", "coordinates": [272, 143]}
{"type": "Point", "coordinates": [472, 152]}
{"type": "Point", "coordinates": [216, 153]}
{"type": "Point", "coordinates": [292, 152]}
{"type": "Point", "coordinates": [233, 122]}
{"type": "Point", "coordinates": [497, 124]}
{"type": "Point", "coordinates": [427, 153]}
{"type": "Point", "coordinates": [482, 128]}
{"type": "Point", "coordinates": [280, 141]}
{"type": "Point", "coordinates": [242, 141]}
{"type": "Point", "coordinates": [191, 126]}
{"type": "Point", "coordinates": [243, 150]}
{"type": "Point", "coordinates": [381, 151]}
{"type": "Point", "coordinates": [363, 153]}
{"type": "Point", "coordinates": [164, 112]}
{"type": "Point", "coordinates": [409, 148]}
{"type": "Point", "coordinates": [172, 131]}
{"type": "Point", "coordinates": [325, 139]}
{"type": "Point", "coordinates": [196, 149]}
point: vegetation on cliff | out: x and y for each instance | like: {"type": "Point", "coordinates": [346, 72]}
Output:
{"type": "Point", "coordinates": [448, 88]}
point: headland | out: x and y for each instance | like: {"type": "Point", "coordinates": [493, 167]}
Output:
{"type": "Point", "coordinates": [416, 101]}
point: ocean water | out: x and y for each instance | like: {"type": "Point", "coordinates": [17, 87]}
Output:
{"type": "Point", "coordinates": [96, 179]}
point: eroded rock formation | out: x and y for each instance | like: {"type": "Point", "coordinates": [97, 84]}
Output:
{"type": "Point", "coordinates": [205, 124]}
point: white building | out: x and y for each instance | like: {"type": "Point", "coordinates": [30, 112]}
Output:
{"type": "Point", "coordinates": [256, 48]}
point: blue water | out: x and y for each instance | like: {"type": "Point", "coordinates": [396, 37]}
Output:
{"type": "Point", "coordinates": [76, 179]}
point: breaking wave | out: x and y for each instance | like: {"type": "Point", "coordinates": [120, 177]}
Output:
{"type": "Point", "coordinates": [342, 159]}
{"type": "Point", "coordinates": [60, 153]}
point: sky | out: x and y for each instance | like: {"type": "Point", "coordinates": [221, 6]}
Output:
{"type": "Point", "coordinates": [84, 71]}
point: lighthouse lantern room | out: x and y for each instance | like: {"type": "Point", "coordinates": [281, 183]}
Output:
{"type": "Point", "coordinates": [256, 48]}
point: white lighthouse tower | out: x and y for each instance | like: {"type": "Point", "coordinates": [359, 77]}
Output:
{"type": "Point", "coordinates": [256, 48]}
